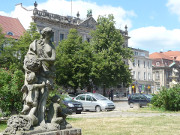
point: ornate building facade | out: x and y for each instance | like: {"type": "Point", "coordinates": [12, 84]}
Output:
{"type": "Point", "coordinates": [141, 68]}
{"type": "Point", "coordinates": [166, 66]}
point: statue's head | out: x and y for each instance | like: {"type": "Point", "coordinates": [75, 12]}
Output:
{"type": "Point", "coordinates": [55, 99]}
{"type": "Point", "coordinates": [47, 32]}
{"type": "Point", "coordinates": [31, 77]}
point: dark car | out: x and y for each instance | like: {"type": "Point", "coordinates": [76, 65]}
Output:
{"type": "Point", "coordinates": [138, 98]}
{"type": "Point", "coordinates": [73, 106]}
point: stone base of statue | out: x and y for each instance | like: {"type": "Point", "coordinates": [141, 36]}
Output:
{"type": "Point", "coordinates": [22, 125]}
{"type": "Point", "coordinates": [71, 131]}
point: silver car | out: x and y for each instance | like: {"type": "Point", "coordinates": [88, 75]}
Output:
{"type": "Point", "coordinates": [95, 102]}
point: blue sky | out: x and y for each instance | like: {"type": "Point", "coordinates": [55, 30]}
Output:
{"type": "Point", "coordinates": [154, 25]}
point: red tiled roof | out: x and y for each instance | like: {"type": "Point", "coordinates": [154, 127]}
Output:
{"type": "Point", "coordinates": [172, 53]}
{"type": "Point", "coordinates": [13, 25]}
{"type": "Point", "coordinates": [157, 55]}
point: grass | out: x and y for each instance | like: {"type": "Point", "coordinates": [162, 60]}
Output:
{"type": "Point", "coordinates": [158, 125]}
{"type": "Point", "coordinates": [3, 126]}
{"type": "Point", "coordinates": [151, 109]}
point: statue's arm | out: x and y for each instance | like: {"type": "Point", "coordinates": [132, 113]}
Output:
{"type": "Point", "coordinates": [39, 85]}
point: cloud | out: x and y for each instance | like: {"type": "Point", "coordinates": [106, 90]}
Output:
{"type": "Point", "coordinates": [154, 39]}
{"type": "Point", "coordinates": [174, 7]}
{"type": "Point", "coordinates": [63, 7]}
{"type": "Point", "coordinates": [3, 13]}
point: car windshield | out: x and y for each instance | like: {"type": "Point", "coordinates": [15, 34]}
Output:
{"type": "Point", "coordinates": [149, 96]}
{"type": "Point", "coordinates": [99, 97]}
{"type": "Point", "coordinates": [67, 99]}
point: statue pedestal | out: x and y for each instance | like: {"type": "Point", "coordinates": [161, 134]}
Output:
{"type": "Point", "coordinates": [71, 131]}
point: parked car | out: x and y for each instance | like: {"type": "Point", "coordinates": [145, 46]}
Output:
{"type": "Point", "coordinates": [149, 96]}
{"type": "Point", "coordinates": [73, 106]}
{"type": "Point", "coordinates": [72, 96]}
{"type": "Point", "coordinates": [141, 99]}
{"type": "Point", "coordinates": [95, 102]}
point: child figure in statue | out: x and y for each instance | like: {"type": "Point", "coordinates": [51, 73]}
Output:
{"type": "Point", "coordinates": [31, 93]}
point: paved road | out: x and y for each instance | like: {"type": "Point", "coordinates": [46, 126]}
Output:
{"type": "Point", "coordinates": [122, 110]}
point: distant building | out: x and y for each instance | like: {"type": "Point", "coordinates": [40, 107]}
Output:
{"type": "Point", "coordinates": [141, 68]}
{"type": "Point", "coordinates": [62, 24]}
{"type": "Point", "coordinates": [163, 65]}
{"type": "Point", "coordinates": [12, 28]}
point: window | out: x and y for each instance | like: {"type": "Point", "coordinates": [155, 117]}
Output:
{"type": "Point", "coordinates": [157, 63]}
{"type": "Point", "coordinates": [138, 63]}
{"type": "Point", "coordinates": [134, 63]}
{"type": "Point", "coordinates": [149, 76]}
{"type": "Point", "coordinates": [88, 98]}
{"type": "Point", "coordinates": [139, 75]}
{"type": "Point", "coordinates": [52, 38]}
{"type": "Point", "coordinates": [61, 37]}
{"type": "Point", "coordinates": [10, 33]}
{"type": "Point", "coordinates": [149, 64]}
{"type": "Point", "coordinates": [135, 53]}
{"type": "Point", "coordinates": [144, 64]}
{"type": "Point", "coordinates": [88, 40]}
{"type": "Point", "coordinates": [157, 75]}
{"type": "Point", "coordinates": [144, 75]}
{"type": "Point", "coordinates": [82, 97]}
{"type": "Point", "coordinates": [134, 74]}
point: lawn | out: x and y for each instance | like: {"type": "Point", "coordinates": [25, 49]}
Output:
{"type": "Point", "coordinates": [3, 125]}
{"type": "Point", "coordinates": [158, 125]}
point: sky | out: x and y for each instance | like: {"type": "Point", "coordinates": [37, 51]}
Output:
{"type": "Point", "coordinates": [153, 25]}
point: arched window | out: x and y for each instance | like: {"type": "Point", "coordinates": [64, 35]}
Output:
{"type": "Point", "coordinates": [10, 33]}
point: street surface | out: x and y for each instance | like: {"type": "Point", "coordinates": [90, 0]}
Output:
{"type": "Point", "coordinates": [122, 110]}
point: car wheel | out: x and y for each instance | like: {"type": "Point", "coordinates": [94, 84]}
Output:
{"type": "Point", "coordinates": [98, 108]}
{"type": "Point", "coordinates": [78, 112]}
{"type": "Point", "coordinates": [131, 105]}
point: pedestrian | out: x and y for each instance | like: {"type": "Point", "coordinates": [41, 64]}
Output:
{"type": "Point", "coordinates": [111, 94]}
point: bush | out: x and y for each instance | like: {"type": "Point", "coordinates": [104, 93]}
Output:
{"type": "Point", "coordinates": [168, 99]}
{"type": "Point", "coordinates": [10, 94]}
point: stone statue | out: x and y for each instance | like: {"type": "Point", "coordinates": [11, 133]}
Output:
{"type": "Point", "coordinates": [39, 76]}
{"type": "Point", "coordinates": [57, 115]}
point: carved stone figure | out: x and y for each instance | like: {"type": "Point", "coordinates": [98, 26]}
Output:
{"type": "Point", "coordinates": [31, 94]}
{"type": "Point", "coordinates": [39, 75]}
{"type": "Point", "coordinates": [40, 59]}
{"type": "Point", "coordinates": [17, 123]}
{"type": "Point", "coordinates": [57, 115]}
{"type": "Point", "coordinates": [39, 68]}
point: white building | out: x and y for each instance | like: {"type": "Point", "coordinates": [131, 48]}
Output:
{"type": "Point", "coordinates": [141, 68]}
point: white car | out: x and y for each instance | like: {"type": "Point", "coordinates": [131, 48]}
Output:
{"type": "Point", "coordinates": [95, 102]}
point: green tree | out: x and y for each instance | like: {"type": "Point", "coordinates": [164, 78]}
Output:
{"type": "Point", "coordinates": [2, 38]}
{"type": "Point", "coordinates": [10, 94]}
{"type": "Point", "coordinates": [73, 62]}
{"type": "Point", "coordinates": [13, 52]}
{"type": "Point", "coordinates": [109, 54]}
{"type": "Point", "coordinates": [168, 98]}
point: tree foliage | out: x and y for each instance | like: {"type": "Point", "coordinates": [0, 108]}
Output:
{"type": "Point", "coordinates": [168, 99]}
{"type": "Point", "coordinates": [109, 68]}
{"type": "Point", "coordinates": [10, 94]}
{"type": "Point", "coordinates": [73, 61]}
{"type": "Point", "coordinates": [13, 52]}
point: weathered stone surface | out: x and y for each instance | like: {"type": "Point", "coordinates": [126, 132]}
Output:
{"type": "Point", "coordinates": [72, 131]}
{"type": "Point", "coordinates": [39, 76]}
